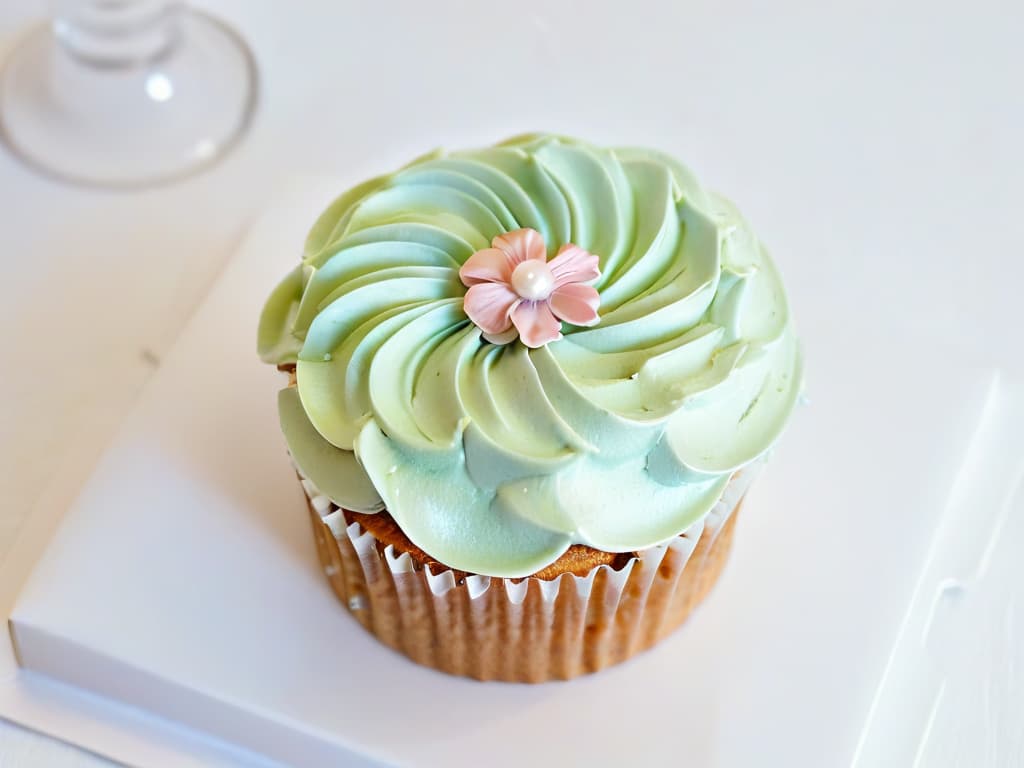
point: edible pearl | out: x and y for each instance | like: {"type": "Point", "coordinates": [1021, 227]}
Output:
{"type": "Point", "coordinates": [532, 279]}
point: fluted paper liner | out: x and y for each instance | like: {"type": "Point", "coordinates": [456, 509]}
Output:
{"type": "Point", "coordinates": [523, 630]}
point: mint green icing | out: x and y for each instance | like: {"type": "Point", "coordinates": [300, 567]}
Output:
{"type": "Point", "coordinates": [338, 474]}
{"type": "Point", "coordinates": [494, 459]}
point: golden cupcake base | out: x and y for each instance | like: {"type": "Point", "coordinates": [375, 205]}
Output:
{"type": "Point", "coordinates": [527, 630]}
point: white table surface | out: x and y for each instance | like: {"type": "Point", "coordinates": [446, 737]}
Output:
{"type": "Point", "coordinates": [889, 132]}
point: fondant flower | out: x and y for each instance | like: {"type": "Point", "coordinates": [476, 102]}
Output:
{"type": "Point", "coordinates": [514, 289]}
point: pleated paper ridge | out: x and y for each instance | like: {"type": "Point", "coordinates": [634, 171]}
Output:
{"type": "Point", "coordinates": [523, 630]}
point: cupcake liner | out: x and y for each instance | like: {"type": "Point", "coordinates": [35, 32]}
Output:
{"type": "Point", "coordinates": [529, 629]}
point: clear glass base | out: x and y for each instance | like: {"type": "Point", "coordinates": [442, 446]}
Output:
{"type": "Point", "coordinates": [128, 125]}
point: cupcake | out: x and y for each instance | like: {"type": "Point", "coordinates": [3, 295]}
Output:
{"type": "Point", "coordinates": [528, 388]}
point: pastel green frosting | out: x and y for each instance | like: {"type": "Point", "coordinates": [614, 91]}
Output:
{"type": "Point", "coordinates": [494, 459]}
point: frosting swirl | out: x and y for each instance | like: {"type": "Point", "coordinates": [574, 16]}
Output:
{"type": "Point", "coordinates": [495, 458]}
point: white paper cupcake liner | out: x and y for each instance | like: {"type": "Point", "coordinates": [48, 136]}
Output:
{"type": "Point", "coordinates": [523, 630]}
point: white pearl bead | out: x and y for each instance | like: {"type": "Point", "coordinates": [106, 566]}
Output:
{"type": "Point", "coordinates": [532, 279]}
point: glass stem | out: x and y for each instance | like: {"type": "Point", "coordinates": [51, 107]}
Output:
{"type": "Point", "coordinates": [117, 34]}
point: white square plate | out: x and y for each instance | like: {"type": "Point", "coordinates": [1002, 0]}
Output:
{"type": "Point", "coordinates": [184, 581]}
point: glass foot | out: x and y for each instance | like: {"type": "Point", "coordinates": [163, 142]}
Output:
{"type": "Point", "coordinates": [131, 124]}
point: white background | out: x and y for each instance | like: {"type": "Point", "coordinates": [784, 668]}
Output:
{"type": "Point", "coordinates": [875, 147]}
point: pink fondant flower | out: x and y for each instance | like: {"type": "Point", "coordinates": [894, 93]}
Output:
{"type": "Point", "coordinates": [515, 290]}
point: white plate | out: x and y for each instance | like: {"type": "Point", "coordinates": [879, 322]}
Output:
{"type": "Point", "coordinates": [184, 581]}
